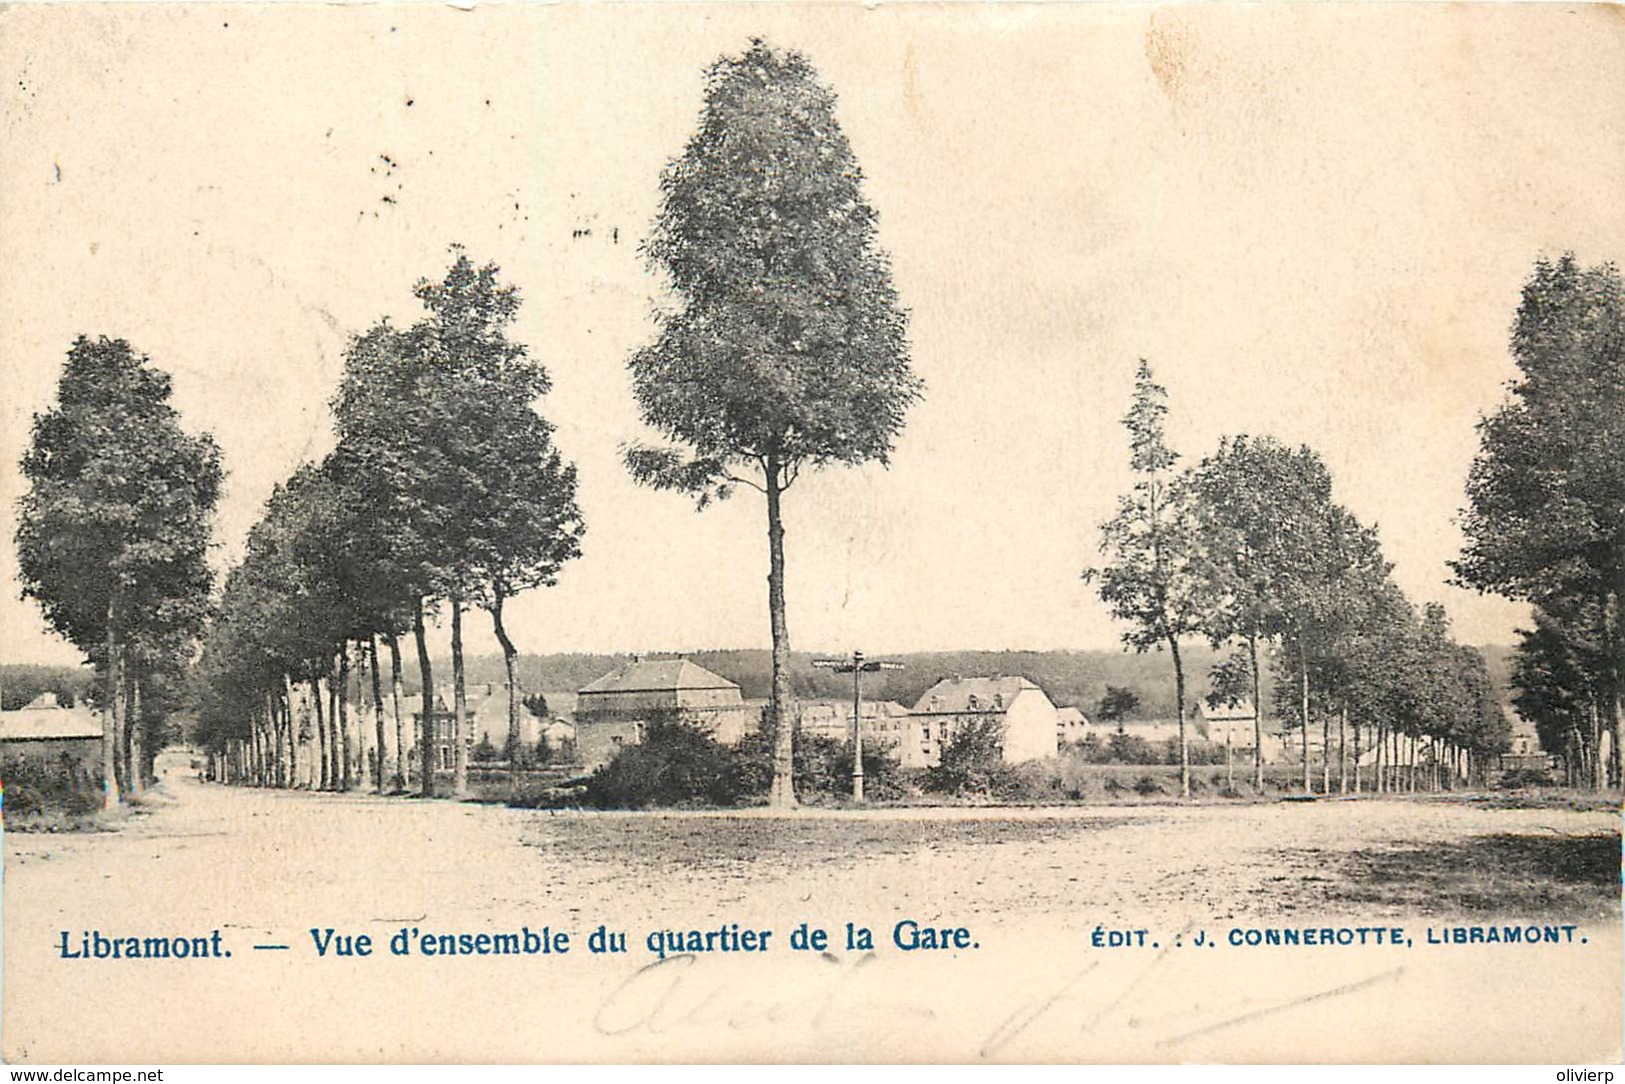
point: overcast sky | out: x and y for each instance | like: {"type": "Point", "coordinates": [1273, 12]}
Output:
{"type": "Point", "coordinates": [1314, 221]}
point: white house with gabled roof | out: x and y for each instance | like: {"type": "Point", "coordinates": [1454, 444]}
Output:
{"type": "Point", "coordinates": [1028, 719]}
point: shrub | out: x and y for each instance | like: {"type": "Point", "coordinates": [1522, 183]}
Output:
{"type": "Point", "coordinates": [1124, 748]}
{"type": "Point", "coordinates": [823, 767]}
{"type": "Point", "coordinates": [1525, 777]}
{"type": "Point", "coordinates": [675, 764]}
{"type": "Point", "coordinates": [33, 789]}
{"type": "Point", "coordinates": [1038, 781]}
{"type": "Point", "coordinates": [972, 763]}
{"type": "Point", "coordinates": [1145, 786]}
{"type": "Point", "coordinates": [485, 751]}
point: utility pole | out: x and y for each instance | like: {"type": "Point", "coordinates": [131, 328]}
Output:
{"type": "Point", "coordinates": [857, 666]}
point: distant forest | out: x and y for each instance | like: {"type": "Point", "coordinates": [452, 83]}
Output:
{"type": "Point", "coordinates": [20, 683]}
{"type": "Point", "coordinates": [1075, 678]}
{"type": "Point", "coordinates": [1071, 678]}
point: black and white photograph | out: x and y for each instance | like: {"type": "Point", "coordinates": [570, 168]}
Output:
{"type": "Point", "coordinates": [812, 533]}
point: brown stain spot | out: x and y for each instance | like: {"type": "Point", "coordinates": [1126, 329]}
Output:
{"type": "Point", "coordinates": [1168, 52]}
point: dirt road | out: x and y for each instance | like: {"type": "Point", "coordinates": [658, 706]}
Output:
{"type": "Point", "coordinates": [1024, 981]}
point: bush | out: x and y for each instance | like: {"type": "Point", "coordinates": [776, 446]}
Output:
{"type": "Point", "coordinates": [1525, 777]}
{"type": "Point", "coordinates": [823, 768]}
{"type": "Point", "coordinates": [485, 751]}
{"type": "Point", "coordinates": [34, 789]}
{"type": "Point", "coordinates": [675, 764]}
{"type": "Point", "coordinates": [1038, 781]}
{"type": "Point", "coordinates": [1129, 749]}
{"type": "Point", "coordinates": [972, 763]}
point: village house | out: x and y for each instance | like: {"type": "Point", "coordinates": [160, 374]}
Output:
{"type": "Point", "coordinates": [490, 722]}
{"type": "Point", "coordinates": [1028, 719]}
{"type": "Point", "coordinates": [1071, 727]}
{"type": "Point", "coordinates": [443, 752]}
{"type": "Point", "coordinates": [884, 721]}
{"type": "Point", "coordinates": [614, 710]}
{"type": "Point", "coordinates": [1230, 725]}
{"type": "Point", "coordinates": [53, 738]}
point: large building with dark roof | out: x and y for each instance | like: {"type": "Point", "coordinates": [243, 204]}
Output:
{"type": "Point", "coordinates": [55, 739]}
{"type": "Point", "coordinates": [617, 706]}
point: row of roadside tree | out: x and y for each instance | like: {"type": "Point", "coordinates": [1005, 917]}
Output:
{"type": "Point", "coordinates": [1249, 549]}
{"type": "Point", "coordinates": [781, 348]}
{"type": "Point", "coordinates": [444, 492]}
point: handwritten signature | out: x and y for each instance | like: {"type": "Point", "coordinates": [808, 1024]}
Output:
{"type": "Point", "coordinates": [1113, 1005]}
{"type": "Point", "coordinates": [677, 995]}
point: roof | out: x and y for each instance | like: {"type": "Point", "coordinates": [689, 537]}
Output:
{"type": "Point", "coordinates": [870, 708]}
{"type": "Point", "coordinates": [560, 702]}
{"type": "Point", "coordinates": [954, 695]}
{"type": "Point", "coordinates": [41, 721]}
{"type": "Point", "coordinates": [1071, 716]}
{"type": "Point", "coordinates": [825, 713]}
{"type": "Point", "coordinates": [1241, 710]}
{"type": "Point", "coordinates": [657, 675]}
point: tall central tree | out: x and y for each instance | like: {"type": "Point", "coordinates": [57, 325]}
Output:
{"type": "Point", "coordinates": [1154, 577]}
{"type": "Point", "coordinates": [1257, 503]}
{"type": "Point", "coordinates": [786, 348]}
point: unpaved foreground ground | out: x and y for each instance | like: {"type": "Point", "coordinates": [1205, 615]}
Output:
{"type": "Point", "coordinates": [1031, 885]}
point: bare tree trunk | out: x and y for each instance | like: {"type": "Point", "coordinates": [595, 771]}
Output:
{"type": "Point", "coordinates": [344, 714]}
{"type": "Point", "coordinates": [294, 729]}
{"type": "Point", "coordinates": [426, 735]}
{"type": "Point", "coordinates": [273, 741]}
{"type": "Point", "coordinates": [377, 710]}
{"type": "Point", "coordinates": [1356, 758]}
{"type": "Point", "coordinates": [291, 722]}
{"type": "Point", "coordinates": [321, 734]}
{"type": "Point", "coordinates": [1342, 751]}
{"type": "Point", "coordinates": [1179, 713]}
{"type": "Point", "coordinates": [335, 770]}
{"type": "Point", "coordinates": [1258, 717]}
{"type": "Point", "coordinates": [285, 754]}
{"type": "Point", "coordinates": [1303, 713]}
{"type": "Point", "coordinates": [783, 795]}
{"type": "Point", "coordinates": [395, 702]}
{"type": "Point", "coordinates": [1325, 753]}
{"type": "Point", "coordinates": [127, 736]}
{"type": "Point", "coordinates": [459, 720]}
{"type": "Point", "coordinates": [1229, 757]}
{"type": "Point", "coordinates": [511, 746]}
{"type": "Point", "coordinates": [1599, 768]}
{"type": "Point", "coordinates": [1380, 784]}
{"type": "Point", "coordinates": [275, 716]}
{"type": "Point", "coordinates": [112, 716]}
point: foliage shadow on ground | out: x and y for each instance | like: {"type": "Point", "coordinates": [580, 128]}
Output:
{"type": "Point", "coordinates": [1505, 875]}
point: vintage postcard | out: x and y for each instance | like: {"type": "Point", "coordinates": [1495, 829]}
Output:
{"type": "Point", "coordinates": [812, 532]}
